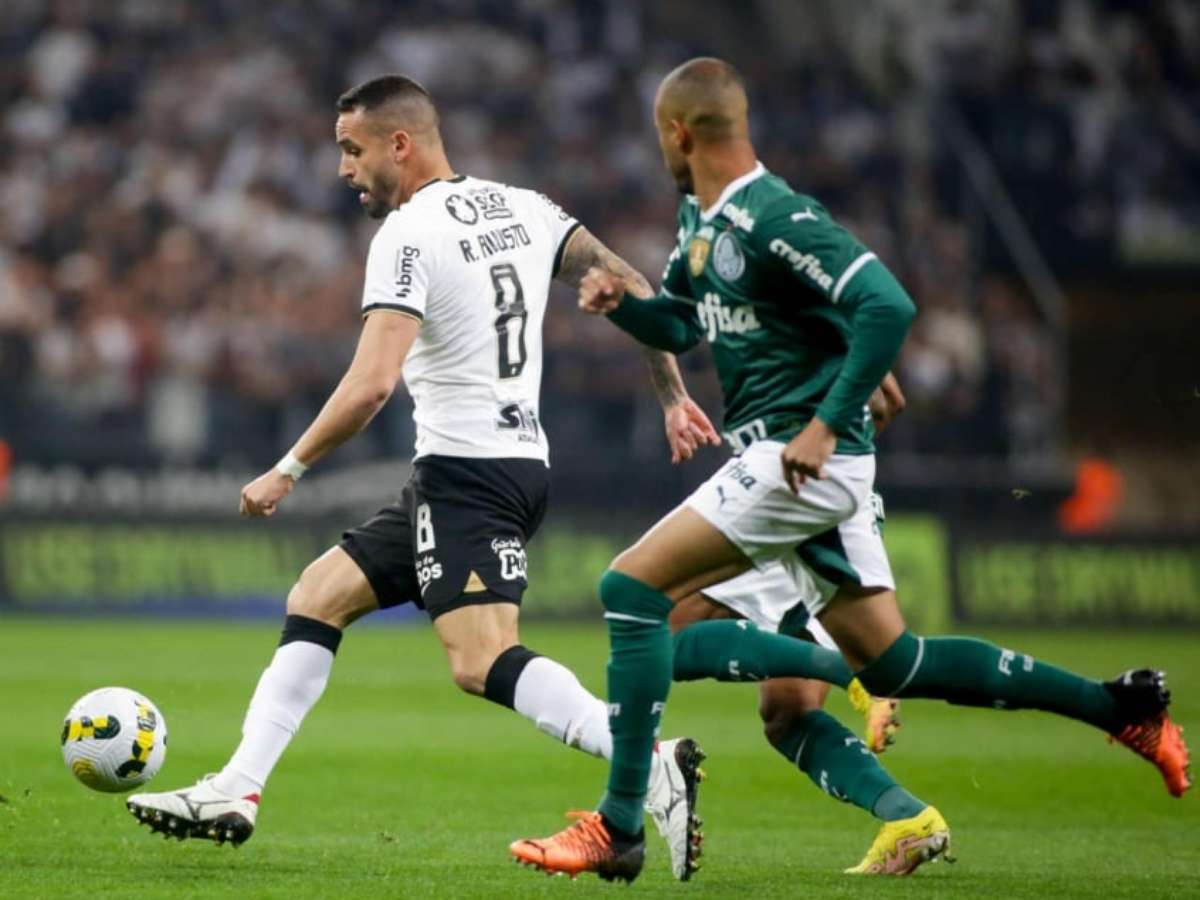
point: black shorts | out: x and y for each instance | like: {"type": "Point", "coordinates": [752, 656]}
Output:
{"type": "Point", "coordinates": [456, 536]}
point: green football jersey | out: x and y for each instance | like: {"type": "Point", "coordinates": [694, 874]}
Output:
{"type": "Point", "coordinates": [772, 277]}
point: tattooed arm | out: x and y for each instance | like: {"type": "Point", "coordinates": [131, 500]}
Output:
{"type": "Point", "coordinates": [687, 425]}
{"type": "Point", "coordinates": [585, 251]}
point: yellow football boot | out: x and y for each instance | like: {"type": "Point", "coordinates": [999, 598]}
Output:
{"type": "Point", "coordinates": [882, 717]}
{"type": "Point", "coordinates": [903, 845]}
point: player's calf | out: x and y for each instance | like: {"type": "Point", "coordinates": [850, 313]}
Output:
{"type": "Point", "coordinates": [639, 679]}
{"type": "Point", "coordinates": [970, 672]}
{"type": "Point", "coordinates": [738, 650]}
{"type": "Point", "coordinates": [480, 637]}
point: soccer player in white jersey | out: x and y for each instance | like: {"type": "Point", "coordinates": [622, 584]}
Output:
{"type": "Point", "coordinates": [455, 292]}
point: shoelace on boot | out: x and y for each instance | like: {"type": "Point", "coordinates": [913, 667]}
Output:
{"type": "Point", "coordinates": [1143, 738]}
{"type": "Point", "coordinates": [587, 836]}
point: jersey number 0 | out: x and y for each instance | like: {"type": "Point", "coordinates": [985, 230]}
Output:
{"type": "Point", "coordinates": [510, 321]}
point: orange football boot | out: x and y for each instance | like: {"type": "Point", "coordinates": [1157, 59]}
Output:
{"type": "Point", "coordinates": [1160, 741]}
{"type": "Point", "coordinates": [585, 846]}
{"type": "Point", "coordinates": [1143, 726]}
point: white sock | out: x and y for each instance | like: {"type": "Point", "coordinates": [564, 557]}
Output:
{"type": "Point", "coordinates": [550, 696]}
{"type": "Point", "coordinates": [289, 687]}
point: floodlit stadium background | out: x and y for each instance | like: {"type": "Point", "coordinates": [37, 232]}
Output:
{"type": "Point", "coordinates": [180, 267]}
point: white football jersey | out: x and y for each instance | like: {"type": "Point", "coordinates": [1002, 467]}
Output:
{"type": "Point", "coordinates": [473, 260]}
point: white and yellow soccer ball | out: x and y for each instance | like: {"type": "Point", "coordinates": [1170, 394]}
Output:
{"type": "Point", "coordinates": [114, 739]}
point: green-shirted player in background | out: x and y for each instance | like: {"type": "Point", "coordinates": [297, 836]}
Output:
{"type": "Point", "coordinates": [804, 322]}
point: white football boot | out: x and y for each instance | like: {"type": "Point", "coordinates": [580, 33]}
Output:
{"type": "Point", "coordinates": [675, 777]}
{"type": "Point", "coordinates": [200, 811]}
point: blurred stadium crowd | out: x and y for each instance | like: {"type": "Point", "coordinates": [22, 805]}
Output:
{"type": "Point", "coordinates": [179, 266]}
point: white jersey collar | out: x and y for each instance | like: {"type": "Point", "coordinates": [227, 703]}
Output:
{"type": "Point", "coordinates": [732, 188]}
{"type": "Point", "coordinates": [438, 182]}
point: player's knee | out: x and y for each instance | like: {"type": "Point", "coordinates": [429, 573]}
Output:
{"type": "Point", "coordinates": [311, 598]}
{"type": "Point", "coordinates": [780, 710]}
{"type": "Point", "coordinates": [696, 608]}
{"type": "Point", "coordinates": [611, 584]}
{"type": "Point", "coordinates": [624, 596]}
{"type": "Point", "coordinates": [635, 563]}
{"type": "Point", "coordinates": [896, 669]}
{"type": "Point", "coordinates": [623, 562]}
{"type": "Point", "coordinates": [778, 722]}
{"type": "Point", "coordinates": [303, 599]}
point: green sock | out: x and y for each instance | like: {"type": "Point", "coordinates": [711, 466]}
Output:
{"type": "Point", "coordinates": [971, 672]}
{"type": "Point", "coordinates": [639, 678]}
{"type": "Point", "coordinates": [736, 650]}
{"type": "Point", "coordinates": [897, 803]}
{"type": "Point", "coordinates": [842, 766]}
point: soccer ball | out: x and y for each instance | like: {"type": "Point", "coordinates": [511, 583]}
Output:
{"type": "Point", "coordinates": [114, 739]}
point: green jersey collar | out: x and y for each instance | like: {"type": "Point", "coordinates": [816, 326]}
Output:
{"type": "Point", "coordinates": [732, 188]}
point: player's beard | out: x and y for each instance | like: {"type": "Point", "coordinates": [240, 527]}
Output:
{"type": "Point", "coordinates": [683, 178]}
{"type": "Point", "coordinates": [378, 205]}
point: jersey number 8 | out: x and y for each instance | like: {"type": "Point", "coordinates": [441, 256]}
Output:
{"type": "Point", "coordinates": [510, 323]}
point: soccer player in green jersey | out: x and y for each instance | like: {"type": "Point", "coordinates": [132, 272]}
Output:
{"type": "Point", "coordinates": [743, 630]}
{"type": "Point", "coordinates": [803, 322]}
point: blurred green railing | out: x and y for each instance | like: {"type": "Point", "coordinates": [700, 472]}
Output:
{"type": "Point", "coordinates": [945, 571]}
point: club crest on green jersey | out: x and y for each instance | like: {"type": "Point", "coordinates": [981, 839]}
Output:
{"type": "Point", "coordinates": [698, 250]}
{"type": "Point", "coordinates": [727, 257]}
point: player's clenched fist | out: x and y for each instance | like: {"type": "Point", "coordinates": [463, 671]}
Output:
{"type": "Point", "coordinates": [600, 292]}
{"type": "Point", "coordinates": [805, 455]}
{"type": "Point", "coordinates": [261, 496]}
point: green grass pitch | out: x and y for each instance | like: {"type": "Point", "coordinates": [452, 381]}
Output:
{"type": "Point", "coordinates": [399, 786]}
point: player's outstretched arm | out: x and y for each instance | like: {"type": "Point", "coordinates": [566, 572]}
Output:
{"type": "Point", "coordinates": [585, 251]}
{"type": "Point", "coordinates": [661, 321]}
{"type": "Point", "coordinates": [364, 389]}
{"type": "Point", "coordinates": [585, 259]}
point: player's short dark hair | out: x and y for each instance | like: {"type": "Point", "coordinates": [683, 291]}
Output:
{"type": "Point", "coordinates": [709, 94]}
{"type": "Point", "coordinates": [380, 91]}
{"type": "Point", "coordinates": [394, 102]}
{"type": "Point", "coordinates": [710, 70]}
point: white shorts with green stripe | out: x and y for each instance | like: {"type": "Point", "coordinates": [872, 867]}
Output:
{"type": "Point", "coordinates": [774, 599]}
{"type": "Point", "coordinates": [825, 536]}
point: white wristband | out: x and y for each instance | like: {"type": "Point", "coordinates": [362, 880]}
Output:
{"type": "Point", "coordinates": [291, 467]}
